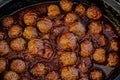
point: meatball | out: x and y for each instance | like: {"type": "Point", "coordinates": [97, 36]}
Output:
{"type": "Point", "coordinates": [113, 59]}
{"type": "Point", "coordinates": [18, 44]}
{"type": "Point", "coordinates": [69, 73]}
{"type": "Point", "coordinates": [40, 48]}
{"type": "Point", "coordinates": [97, 74]}
{"type": "Point", "coordinates": [95, 27]}
{"type": "Point", "coordinates": [99, 55]}
{"type": "Point", "coordinates": [68, 58]}
{"type": "Point", "coordinates": [66, 5]}
{"type": "Point", "coordinates": [83, 68]}
{"type": "Point", "coordinates": [70, 18]}
{"type": "Point", "coordinates": [93, 12]}
{"type": "Point", "coordinates": [52, 76]}
{"type": "Point", "coordinates": [2, 35]}
{"type": "Point", "coordinates": [30, 18]}
{"type": "Point", "coordinates": [80, 9]}
{"type": "Point", "coordinates": [78, 28]}
{"type": "Point", "coordinates": [44, 25]}
{"type": "Point", "coordinates": [114, 45]}
{"type": "Point", "coordinates": [15, 31]}
{"type": "Point", "coordinates": [11, 75]}
{"type": "Point", "coordinates": [53, 10]}
{"type": "Point", "coordinates": [101, 40]}
{"type": "Point", "coordinates": [30, 32]}
{"type": "Point", "coordinates": [3, 64]}
{"type": "Point", "coordinates": [4, 48]}
{"type": "Point", "coordinates": [18, 66]}
{"type": "Point", "coordinates": [68, 40]}
{"type": "Point", "coordinates": [86, 48]}
{"type": "Point", "coordinates": [7, 21]}
{"type": "Point", "coordinates": [38, 70]}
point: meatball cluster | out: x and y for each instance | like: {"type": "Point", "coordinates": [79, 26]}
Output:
{"type": "Point", "coordinates": [57, 41]}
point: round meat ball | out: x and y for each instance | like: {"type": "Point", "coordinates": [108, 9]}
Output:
{"type": "Point", "coordinates": [35, 46]}
{"type": "Point", "coordinates": [68, 40]}
{"type": "Point", "coordinates": [83, 68]}
{"type": "Point", "coordinates": [97, 74]}
{"type": "Point", "coordinates": [15, 31]}
{"type": "Point", "coordinates": [99, 55]}
{"type": "Point", "coordinates": [30, 32]}
{"type": "Point", "coordinates": [38, 70]}
{"type": "Point", "coordinates": [18, 44]}
{"type": "Point", "coordinates": [95, 27]}
{"type": "Point", "coordinates": [113, 59]}
{"type": "Point", "coordinates": [114, 45]}
{"type": "Point", "coordinates": [11, 75]}
{"type": "Point", "coordinates": [69, 73]}
{"type": "Point", "coordinates": [18, 66]}
{"type": "Point", "coordinates": [2, 35]}
{"type": "Point", "coordinates": [86, 48]}
{"type": "Point", "coordinates": [78, 28]}
{"type": "Point", "coordinates": [93, 12]}
{"type": "Point", "coordinates": [3, 64]}
{"type": "Point", "coordinates": [30, 18]}
{"type": "Point", "coordinates": [80, 9]}
{"type": "Point", "coordinates": [68, 58]}
{"type": "Point", "coordinates": [101, 40]}
{"type": "Point", "coordinates": [66, 5]}
{"type": "Point", "coordinates": [53, 10]}
{"type": "Point", "coordinates": [44, 25]}
{"type": "Point", "coordinates": [52, 76]}
{"type": "Point", "coordinates": [70, 18]}
{"type": "Point", "coordinates": [4, 48]}
{"type": "Point", "coordinates": [7, 21]}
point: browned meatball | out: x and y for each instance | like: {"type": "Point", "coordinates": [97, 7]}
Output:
{"type": "Point", "coordinates": [68, 58]}
{"type": "Point", "coordinates": [114, 45]}
{"type": "Point", "coordinates": [8, 21]}
{"type": "Point", "coordinates": [101, 39]}
{"type": "Point", "coordinates": [66, 5]}
{"type": "Point", "coordinates": [86, 48]}
{"type": "Point", "coordinates": [15, 31]}
{"type": "Point", "coordinates": [113, 59]}
{"type": "Point", "coordinates": [96, 74]}
{"type": "Point", "coordinates": [99, 55]}
{"type": "Point", "coordinates": [52, 76]}
{"type": "Point", "coordinates": [83, 68]}
{"type": "Point", "coordinates": [30, 18]}
{"type": "Point", "coordinates": [70, 18]}
{"type": "Point", "coordinates": [78, 28]}
{"type": "Point", "coordinates": [69, 73]}
{"type": "Point", "coordinates": [2, 35]}
{"type": "Point", "coordinates": [95, 27]}
{"type": "Point", "coordinates": [44, 25]}
{"type": "Point", "coordinates": [80, 9]}
{"type": "Point", "coordinates": [53, 10]}
{"type": "Point", "coordinates": [11, 75]}
{"type": "Point", "coordinates": [93, 12]}
{"type": "Point", "coordinates": [38, 70]}
{"type": "Point", "coordinates": [68, 40]}
{"type": "Point", "coordinates": [30, 32]}
{"type": "Point", "coordinates": [3, 64]}
{"type": "Point", "coordinates": [18, 66]}
{"type": "Point", "coordinates": [18, 44]}
{"type": "Point", "coordinates": [4, 48]}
